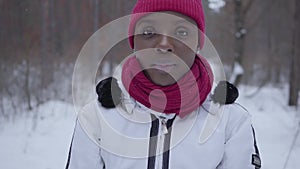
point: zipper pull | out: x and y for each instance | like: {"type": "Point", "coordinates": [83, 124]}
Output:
{"type": "Point", "coordinates": [164, 126]}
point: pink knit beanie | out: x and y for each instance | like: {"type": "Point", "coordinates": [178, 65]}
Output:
{"type": "Point", "coordinates": [190, 8]}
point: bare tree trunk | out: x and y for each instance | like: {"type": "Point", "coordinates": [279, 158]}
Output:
{"type": "Point", "coordinates": [1, 86]}
{"type": "Point", "coordinates": [27, 86]}
{"type": "Point", "coordinates": [240, 33]}
{"type": "Point", "coordinates": [295, 61]}
{"type": "Point", "coordinates": [47, 45]}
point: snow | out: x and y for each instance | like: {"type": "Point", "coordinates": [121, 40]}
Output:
{"type": "Point", "coordinates": [216, 5]}
{"type": "Point", "coordinates": [40, 144]}
{"type": "Point", "coordinates": [41, 139]}
{"type": "Point", "coordinates": [276, 125]}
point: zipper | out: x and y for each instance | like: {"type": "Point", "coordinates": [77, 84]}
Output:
{"type": "Point", "coordinates": [166, 129]}
{"type": "Point", "coordinates": [159, 145]}
{"type": "Point", "coordinates": [153, 142]}
{"type": "Point", "coordinates": [160, 142]}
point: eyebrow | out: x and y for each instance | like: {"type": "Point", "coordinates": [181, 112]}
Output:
{"type": "Point", "coordinates": [151, 21]}
{"type": "Point", "coordinates": [184, 21]}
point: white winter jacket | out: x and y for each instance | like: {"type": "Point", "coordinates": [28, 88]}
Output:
{"type": "Point", "coordinates": [132, 136]}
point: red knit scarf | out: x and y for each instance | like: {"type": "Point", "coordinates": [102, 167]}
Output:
{"type": "Point", "coordinates": [181, 98]}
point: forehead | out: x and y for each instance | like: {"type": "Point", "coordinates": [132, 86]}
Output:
{"type": "Point", "coordinates": [166, 17]}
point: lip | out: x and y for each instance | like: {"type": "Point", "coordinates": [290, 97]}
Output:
{"type": "Point", "coordinates": [166, 67]}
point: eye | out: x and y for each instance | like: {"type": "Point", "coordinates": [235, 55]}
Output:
{"type": "Point", "coordinates": [148, 32]}
{"type": "Point", "coordinates": [182, 32]}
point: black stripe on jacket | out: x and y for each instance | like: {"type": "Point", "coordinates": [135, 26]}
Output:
{"type": "Point", "coordinates": [153, 143]}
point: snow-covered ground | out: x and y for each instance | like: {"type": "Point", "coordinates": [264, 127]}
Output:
{"type": "Point", "coordinates": [43, 143]}
{"type": "Point", "coordinates": [38, 144]}
{"type": "Point", "coordinates": [276, 126]}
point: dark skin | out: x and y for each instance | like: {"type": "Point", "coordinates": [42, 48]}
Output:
{"type": "Point", "coordinates": [165, 45]}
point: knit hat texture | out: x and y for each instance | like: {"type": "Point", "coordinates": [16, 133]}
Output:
{"type": "Point", "coordinates": [190, 8]}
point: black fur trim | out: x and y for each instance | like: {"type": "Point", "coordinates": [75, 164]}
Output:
{"type": "Point", "coordinates": [225, 93]}
{"type": "Point", "coordinates": [109, 93]}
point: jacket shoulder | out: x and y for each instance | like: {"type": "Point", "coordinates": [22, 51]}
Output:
{"type": "Point", "coordinates": [237, 118]}
{"type": "Point", "coordinates": [237, 111]}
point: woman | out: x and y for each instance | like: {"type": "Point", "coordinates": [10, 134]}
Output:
{"type": "Point", "coordinates": [157, 111]}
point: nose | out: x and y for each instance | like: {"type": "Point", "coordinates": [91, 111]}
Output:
{"type": "Point", "coordinates": [164, 44]}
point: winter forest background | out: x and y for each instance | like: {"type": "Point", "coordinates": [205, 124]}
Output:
{"type": "Point", "coordinates": [40, 42]}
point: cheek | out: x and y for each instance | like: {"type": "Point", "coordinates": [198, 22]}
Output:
{"type": "Point", "coordinates": [192, 44]}
{"type": "Point", "coordinates": [193, 41]}
{"type": "Point", "coordinates": [144, 51]}
{"type": "Point", "coordinates": [142, 43]}
{"type": "Point", "coordinates": [189, 59]}
{"type": "Point", "coordinates": [187, 53]}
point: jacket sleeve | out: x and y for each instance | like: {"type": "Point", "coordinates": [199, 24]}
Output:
{"type": "Point", "coordinates": [240, 146]}
{"type": "Point", "coordinates": [83, 153]}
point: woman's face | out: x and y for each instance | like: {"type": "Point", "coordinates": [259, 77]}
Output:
{"type": "Point", "coordinates": [165, 45]}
